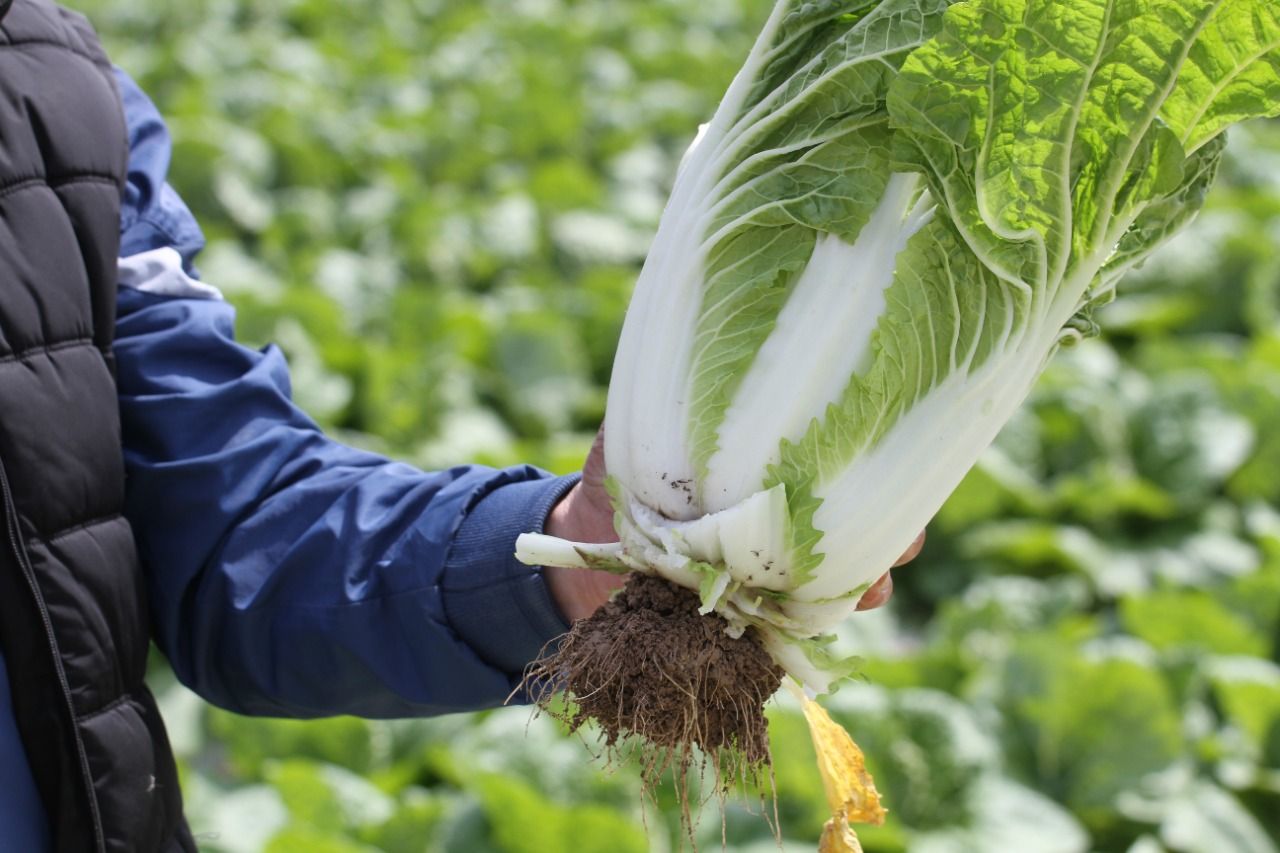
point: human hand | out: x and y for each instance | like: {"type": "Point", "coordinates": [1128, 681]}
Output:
{"type": "Point", "coordinates": [585, 514]}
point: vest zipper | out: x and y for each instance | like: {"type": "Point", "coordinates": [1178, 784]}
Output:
{"type": "Point", "coordinates": [20, 551]}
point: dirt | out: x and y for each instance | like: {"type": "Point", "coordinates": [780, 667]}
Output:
{"type": "Point", "coordinates": [657, 676]}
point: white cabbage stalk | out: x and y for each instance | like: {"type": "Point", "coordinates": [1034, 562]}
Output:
{"type": "Point", "coordinates": [895, 216]}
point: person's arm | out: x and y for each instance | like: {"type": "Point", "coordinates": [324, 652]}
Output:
{"type": "Point", "coordinates": [289, 574]}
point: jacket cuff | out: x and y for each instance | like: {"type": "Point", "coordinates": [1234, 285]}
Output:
{"type": "Point", "coordinates": [499, 606]}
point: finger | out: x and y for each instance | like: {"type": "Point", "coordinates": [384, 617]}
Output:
{"type": "Point", "coordinates": [579, 592]}
{"type": "Point", "coordinates": [878, 594]}
{"type": "Point", "coordinates": [912, 552]}
{"type": "Point", "coordinates": [593, 471]}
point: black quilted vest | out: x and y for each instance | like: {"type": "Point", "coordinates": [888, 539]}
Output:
{"type": "Point", "coordinates": [73, 620]}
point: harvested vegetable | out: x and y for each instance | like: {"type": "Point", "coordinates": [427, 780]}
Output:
{"type": "Point", "coordinates": [899, 211]}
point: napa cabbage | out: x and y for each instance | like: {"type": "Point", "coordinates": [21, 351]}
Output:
{"type": "Point", "coordinates": [899, 211]}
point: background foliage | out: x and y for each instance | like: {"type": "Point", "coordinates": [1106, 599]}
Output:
{"type": "Point", "coordinates": [437, 208]}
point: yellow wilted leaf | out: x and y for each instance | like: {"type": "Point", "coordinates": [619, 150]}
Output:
{"type": "Point", "coordinates": [837, 837]}
{"type": "Point", "coordinates": [851, 792]}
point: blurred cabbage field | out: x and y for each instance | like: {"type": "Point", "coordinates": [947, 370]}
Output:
{"type": "Point", "coordinates": [437, 208]}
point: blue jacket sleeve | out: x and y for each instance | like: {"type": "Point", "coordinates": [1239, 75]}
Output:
{"type": "Point", "coordinates": [152, 215]}
{"type": "Point", "coordinates": [290, 574]}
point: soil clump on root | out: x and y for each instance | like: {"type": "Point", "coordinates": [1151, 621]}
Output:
{"type": "Point", "coordinates": [647, 664]}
